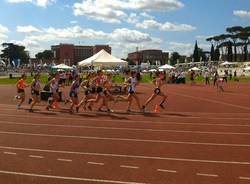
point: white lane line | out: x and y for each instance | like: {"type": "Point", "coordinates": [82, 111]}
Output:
{"type": "Point", "coordinates": [168, 171]}
{"type": "Point", "coordinates": [9, 153]}
{"type": "Point", "coordinates": [128, 156]}
{"type": "Point", "coordinates": [95, 163]}
{"type": "Point", "coordinates": [131, 129]}
{"type": "Point", "coordinates": [67, 178]}
{"type": "Point", "coordinates": [211, 101]}
{"type": "Point", "coordinates": [64, 160]}
{"type": "Point", "coordinates": [126, 139]}
{"type": "Point", "coordinates": [244, 178]}
{"type": "Point", "coordinates": [122, 120]}
{"type": "Point", "coordinates": [206, 175]}
{"type": "Point", "coordinates": [129, 167]}
{"type": "Point", "coordinates": [36, 156]}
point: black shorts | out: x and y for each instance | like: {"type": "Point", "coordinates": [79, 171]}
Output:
{"type": "Point", "coordinates": [34, 92]}
{"type": "Point", "coordinates": [99, 89]}
{"type": "Point", "coordinates": [73, 94]}
{"type": "Point", "coordinates": [88, 91]}
{"type": "Point", "coordinates": [20, 91]}
{"type": "Point", "coordinates": [130, 91]}
{"type": "Point", "coordinates": [157, 91]}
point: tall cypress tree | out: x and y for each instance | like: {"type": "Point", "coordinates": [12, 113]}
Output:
{"type": "Point", "coordinates": [229, 52]}
{"type": "Point", "coordinates": [196, 53]}
{"type": "Point", "coordinates": [217, 54]}
{"type": "Point", "coordinates": [212, 53]}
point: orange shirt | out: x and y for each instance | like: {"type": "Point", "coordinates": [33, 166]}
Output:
{"type": "Point", "coordinates": [21, 84]}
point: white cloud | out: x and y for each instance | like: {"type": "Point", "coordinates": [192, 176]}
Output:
{"type": "Point", "coordinates": [242, 13]}
{"type": "Point", "coordinates": [27, 29]}
{"type": "Point", "coordinates": [125, 39]}
{"type": "Point", "coordinates": [3, 29]}
{"type": "Point", "coordinates": [112, 10]}
{"type": "Point", "coordinates": [146, 15]}
{"type": "Point", "coordinates": [42, 3]}
{"type": "Point", "coordinates": [73, 22]}
{"type": "Point", "coordinates": [96, 11]}
{"type": "Point", "coordinates": [133, 18]}
{"type": "Point", "coordinates": [182, 48]}
{"type": "Point", "coordinates": [167, 26]}
{"type": "Point", "coordinates": [130, 36]}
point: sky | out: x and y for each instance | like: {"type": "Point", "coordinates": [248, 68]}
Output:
{"type": "Point", "coordinates": [169, 25]}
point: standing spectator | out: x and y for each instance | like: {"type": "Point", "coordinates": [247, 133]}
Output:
{"type": "Point", "coordinates": [230, 75]}
{"type": "Point", "coordinates": [225, 75]}
{"type": "Point", "coordinates": [235, 73]}
{"type": "Point", "coordinates": [216, 75]}
{"type": "Point", "coordinates": [206, 76]}
{"type": "Point", "coordinates": [192, 75]}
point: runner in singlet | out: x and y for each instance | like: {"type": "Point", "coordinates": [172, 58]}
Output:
{"type": "Point", "coordinates": [35, 91]}
{"type": "Point", "coordinates": [74, 92]}
{"type": "Point", "coordinates": [54, 88]}
{"type": "Point", "coordinates": [107, 84]}
{"type": "Point", "coordinates": [99, 79]}
{"type": "Point", "coordinates": [20, 86]}
{"type": "Point", "coordinates": [131, 87]}
{"type": "Point", "coordinates": [89, 91]}
{"type": "Point", "coordinates": [157, 92]}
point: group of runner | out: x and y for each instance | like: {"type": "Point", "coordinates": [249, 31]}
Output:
{"type": "Point", "coordinates": [96, 87]}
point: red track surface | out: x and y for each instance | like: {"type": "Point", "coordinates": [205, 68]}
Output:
{"type": "Point", "coordinates": [202, 137]}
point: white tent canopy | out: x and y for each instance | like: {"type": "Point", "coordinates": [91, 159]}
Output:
{"type": "Point", "coordinates": [102, 58]}
{"type": "Point", "coordinates": [226, 63]}
{"type": "Point", "coordinates": [62, 66]}
{"type": "Point", "coordinates": [194, 69]}
{"type": "Point", "coordinates": [247, 68]}
{"type": "Point", "coordinates": [166, 67]}
{"type": "Point", "coordinates": [2, 63]}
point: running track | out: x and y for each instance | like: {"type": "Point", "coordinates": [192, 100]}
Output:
{"type": "Point", "coordinates": [202, 137]}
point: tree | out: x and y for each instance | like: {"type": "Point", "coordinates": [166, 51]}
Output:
{"type": "Point", "coordinates": [196, 56]}
{"type": "Point", "coordinates": [130, 62]}
{"type": "Point", "coordinates": [217, 54]}
{"type": "Point", "coordinates": [174, 57]}
{"type": "Point", "coordinates": [229, 51]}
{"type": "Point", "coordinates": [45, 55]}
{"type": "Point", "coordinates": [14, 52]}
{"type": "Point", "coordinates": [212, 53]}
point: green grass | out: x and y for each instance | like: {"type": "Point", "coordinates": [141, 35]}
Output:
{"type": "Point", "coordinates": [43, 79]}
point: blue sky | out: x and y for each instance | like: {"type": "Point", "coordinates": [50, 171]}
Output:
{"type": "Point", "coordinates": [170, 25]}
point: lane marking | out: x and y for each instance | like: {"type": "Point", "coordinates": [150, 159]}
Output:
{"type": "Point", "coordinates": [118, 128]}
{"type": "Point", "coordinates": [129, 167]}
{"type": "Point", "coordinates": [128, 156]}
{"type": "Point", "coordinates": [36, 156]}
{"type": "Point", "coordinates": [206, 175]}
{"type": "Point", "coordinates": [95, 163]}
{"type": "Point", "coordinates": [122, 120]}
{"type": "Point", "coordinates": [168, 171]}
{"type": "Point", "coordinates": [64, 160]}
{"type": "Point", "coordinates": [244, 178]}
{"type": "Point", "coordinates": [9, 153]}
{"type": "Point", "coordinates": [211, 101]}
{"type": "Point", "coordinates": [126, 139]}
{"type": "Point", "coordinates": [67, 178]}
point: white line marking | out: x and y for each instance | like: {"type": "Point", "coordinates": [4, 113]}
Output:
{"type": "Point", "coordinates": [121, 120]}
{"type": "Point", "coordinates": [168, 171]}
{"type": "Point", "coordinates": [211, 101]}
{"type": "Point", "coordinates": [9, 153]}
{"type": "Point", "coordinates": [131, 129]}
{"type": "Point", "coordinates": [36, 156]}
{"type": "Point", "coordinates": [95, 163]}
{"type": "Point", "coordinates": [128, 156]}
{"type": "Point", "coordinates": [129, 167]}
{"type": "Point", "coordinates": [67, 178]}
{"type": "Point", "coordinates": [126, 139]}
{"type": "Point", "coordinates": [64, 160]}
{"type": "Point", "coordinates": [244, 178]}
{"type": "Point", "coordinates": [206, 175]}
